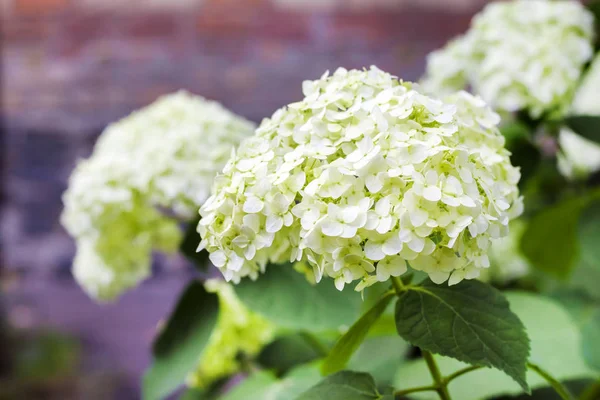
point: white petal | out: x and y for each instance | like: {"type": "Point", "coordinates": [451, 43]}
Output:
{"type": "Point", "coordinates": [382, 272]}
{"type": "Point", "coordinates": [417, 244]}
{"type": "Point", "coordinates": [374, 250]}
{"type": "Point", "coordinates": [467, 201]}
{"type": "Point", "coordinates": [392, 246]}
{"type": "Point", "coordinates": [438, 277]}
{"type": "Point", "coordinates": [332, 228]}
{"type": "Point", "coordinates": [396, 266]}
{"type": "Point", "coordinates": [418, 217]}
{"type": "Point", "coordinates": [349, 214]}
{"type": "Point", "coordinates": [253, 205]}
{"type": "Point", "coordinates": [456, 277]}
{"type": "Point", "coordinates": [274, 223]}
{"type": "Point", "coordinates": [218, 258]}
{"type": "Point", "coordinates": [432, 193]}
{"type": "Point", "coordinates": [383, 206]}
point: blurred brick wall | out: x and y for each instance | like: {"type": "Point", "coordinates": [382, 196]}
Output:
{"type": "Point", "coordinates": [69, 67]}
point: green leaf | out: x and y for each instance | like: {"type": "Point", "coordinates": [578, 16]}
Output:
{"type": "Point", "coordinates": [253, 387]}
{"type": "Point", "coordinates": [179, 346]}
{"type": "Point", "coordinates": [550, 240]}
{"type": "Point", "coordinates": [580, 304]}
{"type": "Point", "coordinates": [286, 352]}
{"type": "Point", "coordinates": [265, 386]}
{"type": "Point", "coordinates": [585, 311]}
{"type": "Point", "coordinates": [594, 8]}
{"type": "Point", "coordinates": [524, 153]}
{"type": "Point", "coordinates": [286, 298]}
{"type": "Point", "coordinates": [587, 126]}
{"type": "Point", "coordinates": [380, 356]}
{"type": "Point", "coordinates": [195, 394]}
{"type": "Point", "coordinates": [189, 245]}
{"type": "Point", "coordinates": [470, 321]}
{"type": "Point", "coordinates": [589, 234]}
{"type": "Point", "coordinates": [344, 385]}
{"type": "Point", "coordinates": [591, 340]}
{"type": "Point", "coordinates": [346, 346]}
{"type": "Point", "coordinates": [555, 346]}
{"type": "Point", "coordinates": [514, 132]}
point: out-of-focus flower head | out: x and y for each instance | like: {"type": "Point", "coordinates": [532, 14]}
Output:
{"type": "Point", "coordinates": [238, 331]}
{"type": "Point", "coordinates": [519, 55]}
{"type": "Point", "coordinates": [578, 157]}
{"type": "Point", "coordinates": [164, 155]}
{"type": "Point", "coordinates": [361, 176]}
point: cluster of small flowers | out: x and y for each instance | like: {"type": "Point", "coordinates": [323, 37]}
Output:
{"type": "Point", "coordinates": [519, 55]}
{"type": "Point", "coordinates": [238, 330]}
{"type": "Point", "coordinates": [578, 157]}
{"type": "Point", "coordinates": [164, 155]}
{"type": "Point", "coordinates": [361, 176]}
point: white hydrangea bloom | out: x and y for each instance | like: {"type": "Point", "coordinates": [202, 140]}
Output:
{"type": "Point", "coordinates": [519, 55]}
{"type": "Point", "coordinates": [238, 330]}
{"type": "Point", "coordinates": [362, 177]}
{"type": "Point", "coordinates": [164, 155]}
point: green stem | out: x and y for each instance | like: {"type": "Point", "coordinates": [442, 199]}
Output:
{"type": "Point", "coordinates": [592, 392]}
{"type": "Point", "coordinates": [315, 343]}
{"type": "Point", "coordinates": [558, 387]}
{"type": "Point", "coordinates": [398, 285]}
{"type": "Point", "coordinates": [399, 393]}
{"type": "Point", "coordinates": [460, 372]}
{"type": "Point", "coordinates": [440, 384]}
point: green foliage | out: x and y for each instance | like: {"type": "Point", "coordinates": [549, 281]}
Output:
{"type": "Point", "coordinates": [179, 346]}
{"type": "Point", "coordinates": [189, 245]}
{"type": "Point", "coordinates": [594, 7]}
{"type": "Point", "coordinates": [286, 352]}
{"type": "Point", "coordinates": [346, 346]}
{"type": "Point", "coordinates": [587, 126]}
{"type": "Point", "coordinates": [550, 240]}
{"type": "Point", "coordinates": [585, 311]}
{"type": "Point", "coordinates": [470, 321]}
{"type": "Point", "coordinates": [264, 385]}
{"type": "Point", "coordinates": [284, 296]}
{"type": "Point", "coordinates": [195, 394]}
{"type": "Point", "coordinates": [591, 340]}
{"type": "Point", "coordinates": [344, 385]}
{"type": "Point", "coordinates": [524, 153]}
{"type": "Point", "coordinates": [589, 235]}
{"type": "Point", "coordinates": [380, 356]}
{"type": "Point", "coordinates": [555, 346]}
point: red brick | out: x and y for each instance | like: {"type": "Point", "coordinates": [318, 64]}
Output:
{"type": "Point", "coordinates": [40, 7]}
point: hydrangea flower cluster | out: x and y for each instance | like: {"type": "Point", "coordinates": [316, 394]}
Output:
{"type": "Point", "coordinates": [162, 156]}
{"type": "Point", "coordinates": [238, 330]}
{"type": "Point", "coordinates": [362, 176]}
{"type": "Point", "coordinates": [519, 55]}
{"type": "Point", "coordinates": [578, 157]}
